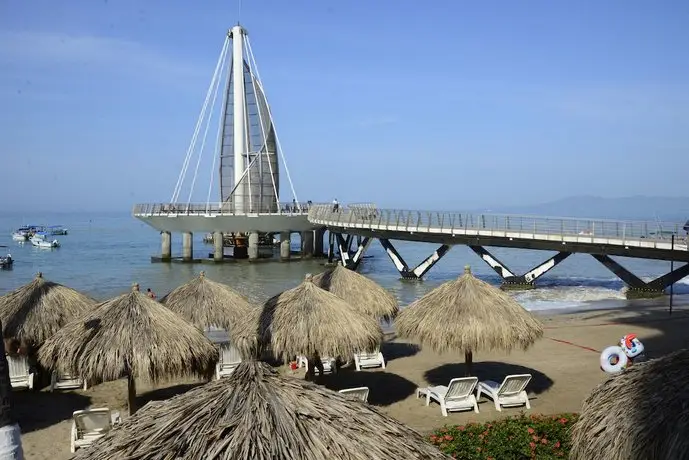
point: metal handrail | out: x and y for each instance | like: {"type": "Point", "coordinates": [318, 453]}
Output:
{"type": "Point", "coordinates": [205, 209]}
{"type": "Point", "coordinates": [498, 224]}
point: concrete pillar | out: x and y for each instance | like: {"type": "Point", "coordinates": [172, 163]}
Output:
{"type": "Point", "coordinates": [187, 246]}
{"type": "Point", "coordinates": [218, 250]}
{"type": "Point", "coordinates": [307, 244]}
{"type": "Point", "coordinates": [253, 245]}
{"type": "Point", "coordinates": [165, 245]}
{"type": "Point", "coordinates": [318, 236]}
{"type": "Point", "coordinates": [285, 251]}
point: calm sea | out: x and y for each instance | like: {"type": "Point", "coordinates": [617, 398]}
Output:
{"type": "Point", "coordinates": [105, 253]}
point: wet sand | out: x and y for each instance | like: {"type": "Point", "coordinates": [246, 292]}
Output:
{"type": "Point", "coordinates": [564, 365]}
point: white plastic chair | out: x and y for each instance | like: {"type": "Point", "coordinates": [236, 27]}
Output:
{"type": "Point", "coordinates": [20, 376]}
{"type": "Point", "coordinates": [66, 382]}
{"type": "Point", "coordinates": [360, 393]}
{"type": "Point", "coordinates": [91, 424]}
{"type": "Point", "coordinates": [328, 364]}
{"type": "Point", "coordinates": [367, 359]}
{"type": "Point", "coordinates": [510, 393]}
{"type": "Point", "coordinates": [457, 396]}
{"type": "Point", "coordinates": [230, 358]}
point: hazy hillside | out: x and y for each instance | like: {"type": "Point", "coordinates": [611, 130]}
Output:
{"type": "Point", "coordinates": [635, 207]}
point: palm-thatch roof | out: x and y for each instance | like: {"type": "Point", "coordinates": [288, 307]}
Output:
{"type": "Point", "coordinates": [360, 292]}
{"type": "Point", "coordinates": [131, 335]}
{"type": "Point", "coordinates": [36, 311]}
{"type": "Point", "coordinates": [468, 315]}
{"type": "Point", "coordinates": [639, 414]}
{"type": "Point", "coordinates": [206, 303]}
{"type": "Point", "coordinates": [257, 414]}
{"type": "Point", "coordinates": [308, 320]}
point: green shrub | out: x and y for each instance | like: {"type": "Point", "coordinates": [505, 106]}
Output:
{"type": "Point", "coordinates": [522, 437]}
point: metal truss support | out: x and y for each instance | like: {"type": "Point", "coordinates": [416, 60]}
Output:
{"type": "Point", "coordinates": [351, 259]}
{"type": "Point", "coordinates": [512, 280]}
{"type": "Point", "coordinates": [639, 288]}
{"type": "Point", "coordinates": [420, 270]}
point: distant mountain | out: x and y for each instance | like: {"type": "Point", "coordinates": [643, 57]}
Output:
{"type": "Point", "coordinates": [672, 209]}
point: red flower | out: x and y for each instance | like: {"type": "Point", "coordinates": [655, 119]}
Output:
{"type": "Point", "coordinates": [448, 437]}
{"type": "Point", "coordinates": [544, 441]}
{"type": "Point", "coordinates": [557, 445]}
{"type": "Point", "coordinates": [533, 446]}
{"type": "Point", "coordinates": [563, 420]}
{"type": "Point", "coordinates": [531, 430]}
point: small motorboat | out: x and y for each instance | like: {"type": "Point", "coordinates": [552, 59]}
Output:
{"type": "Point", "coordinates": [57, 230]}
{"type": "Point", "coordinates": [6, 261]}
{"type": "Point", "coordinates": [19, 236]}
{"type": "Point", "coordinates": [42, 243]}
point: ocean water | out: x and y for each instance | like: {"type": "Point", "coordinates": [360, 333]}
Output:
{"type": "Point", "coordinates": [105, 253]}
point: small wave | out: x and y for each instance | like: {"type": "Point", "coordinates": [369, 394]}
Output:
{"type": "Point", "coordinates": [558, 297]}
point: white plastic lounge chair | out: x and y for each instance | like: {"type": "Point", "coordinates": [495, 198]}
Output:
{"type": "Point", "coordinates": [457, 396]}
{"type": "Point", "coordinates": [360, 393]}
{"type": "Point", "coordinates": [328, 364]}
{"type": "Point", "coordinates": [20, 376]}
{"type": "Point", "coordinates": [229, 360]}
{"type": "Point", "coordinates": [367, 359]}
{"type": "Point", "coordinates": [90, 425]}
{"type": "Point", "coordinates": [66, 382]}
{"type": "Point", "coordinates": [510, 393]}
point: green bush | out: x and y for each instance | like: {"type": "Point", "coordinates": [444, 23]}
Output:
{"type": "Point", "coordinates": [522, 437]}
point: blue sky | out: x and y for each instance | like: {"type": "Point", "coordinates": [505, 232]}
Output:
{"type": "Point", "coordinates": [442, 104]}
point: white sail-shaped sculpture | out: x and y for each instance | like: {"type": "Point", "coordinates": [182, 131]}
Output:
{"type": "Point", "coordinates": [249, 169]}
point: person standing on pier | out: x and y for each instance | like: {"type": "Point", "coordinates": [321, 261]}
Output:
{"type": "Point", "coordinates": [336, 205]}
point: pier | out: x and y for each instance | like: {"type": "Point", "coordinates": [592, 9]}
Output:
{"type": "Point", "coordinates": [248, 206]}
{"type": "Point", "coordinates": [600, 238]}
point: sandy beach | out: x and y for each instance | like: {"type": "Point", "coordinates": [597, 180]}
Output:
{"type": "Point", "coordinates": [564, 365]}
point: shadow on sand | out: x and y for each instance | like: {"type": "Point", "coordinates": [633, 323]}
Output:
{"type": "Point", "coordinates": [396, 350]}
{"type": "Point", "coordinates": [162, 394]}
{"type": "Point", "coordinates": [489, 370]}
{"type": "Point", "coordinates": [36, 410]}
{"type": "Point", "coordinates": [384, 388]}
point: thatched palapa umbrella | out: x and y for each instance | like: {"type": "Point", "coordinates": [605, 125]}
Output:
{"type": "Point", "coordinates": [639, 414]}
{"type": "Point", "coordinates": [468, 315]}
{"type": "Point", "coordinates": [360, 292]}
{"type": "Point", "coordinates": [256, 414]}
{"type": "Point", "coordinates": [308, 320]}
{"type": "Point", "coordinates": [133, 336]}
{"type": "Point", "coordinates": [36, 311]}
{"type": "Point", "coordinates": [206, 303]}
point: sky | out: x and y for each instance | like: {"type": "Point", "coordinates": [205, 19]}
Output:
{"type": "Point", "coordinates": [441, 105]}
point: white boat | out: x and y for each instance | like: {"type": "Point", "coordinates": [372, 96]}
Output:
{"type": "Point", "coordinates": [17, 236]}
{"type": "Point", "coordinates": [41, 243]}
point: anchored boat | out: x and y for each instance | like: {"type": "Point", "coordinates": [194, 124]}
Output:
{"type": "Point", "coordinates": [42, 243]}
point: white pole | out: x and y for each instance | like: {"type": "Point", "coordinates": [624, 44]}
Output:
{"type": "Point", "coordinates": [239, 116]}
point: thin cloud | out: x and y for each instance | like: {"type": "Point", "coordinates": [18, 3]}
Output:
{"type": "Point", "coordinates": [374, 122]}
{"type": "Point", "coordinates": [36, 50]}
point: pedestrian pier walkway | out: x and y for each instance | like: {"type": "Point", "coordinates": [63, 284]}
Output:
{"type": "Point", "coordinates": [598, 237]}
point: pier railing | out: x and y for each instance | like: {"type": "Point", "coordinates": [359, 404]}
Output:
{"type": "Point", "coordinates": [485, 224]}
{"type": "Point", "coordinates": [205, 209]}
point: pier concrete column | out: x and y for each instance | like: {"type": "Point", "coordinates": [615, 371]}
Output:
{"type": "Point", "coordinates": [253, 245]}
{"type": "Point", "coordinates": [307, 244]}
{"type": "Point", "coordinates": [285, 251]}
{"type": "Point", "coordinates": [218, 244]}
{"type": "Point", "coordinates": [187, 246]}
{"type": "Point", "coordinates": [165, 245]}
{"type": "Point", "coordinates": [318, 237]}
